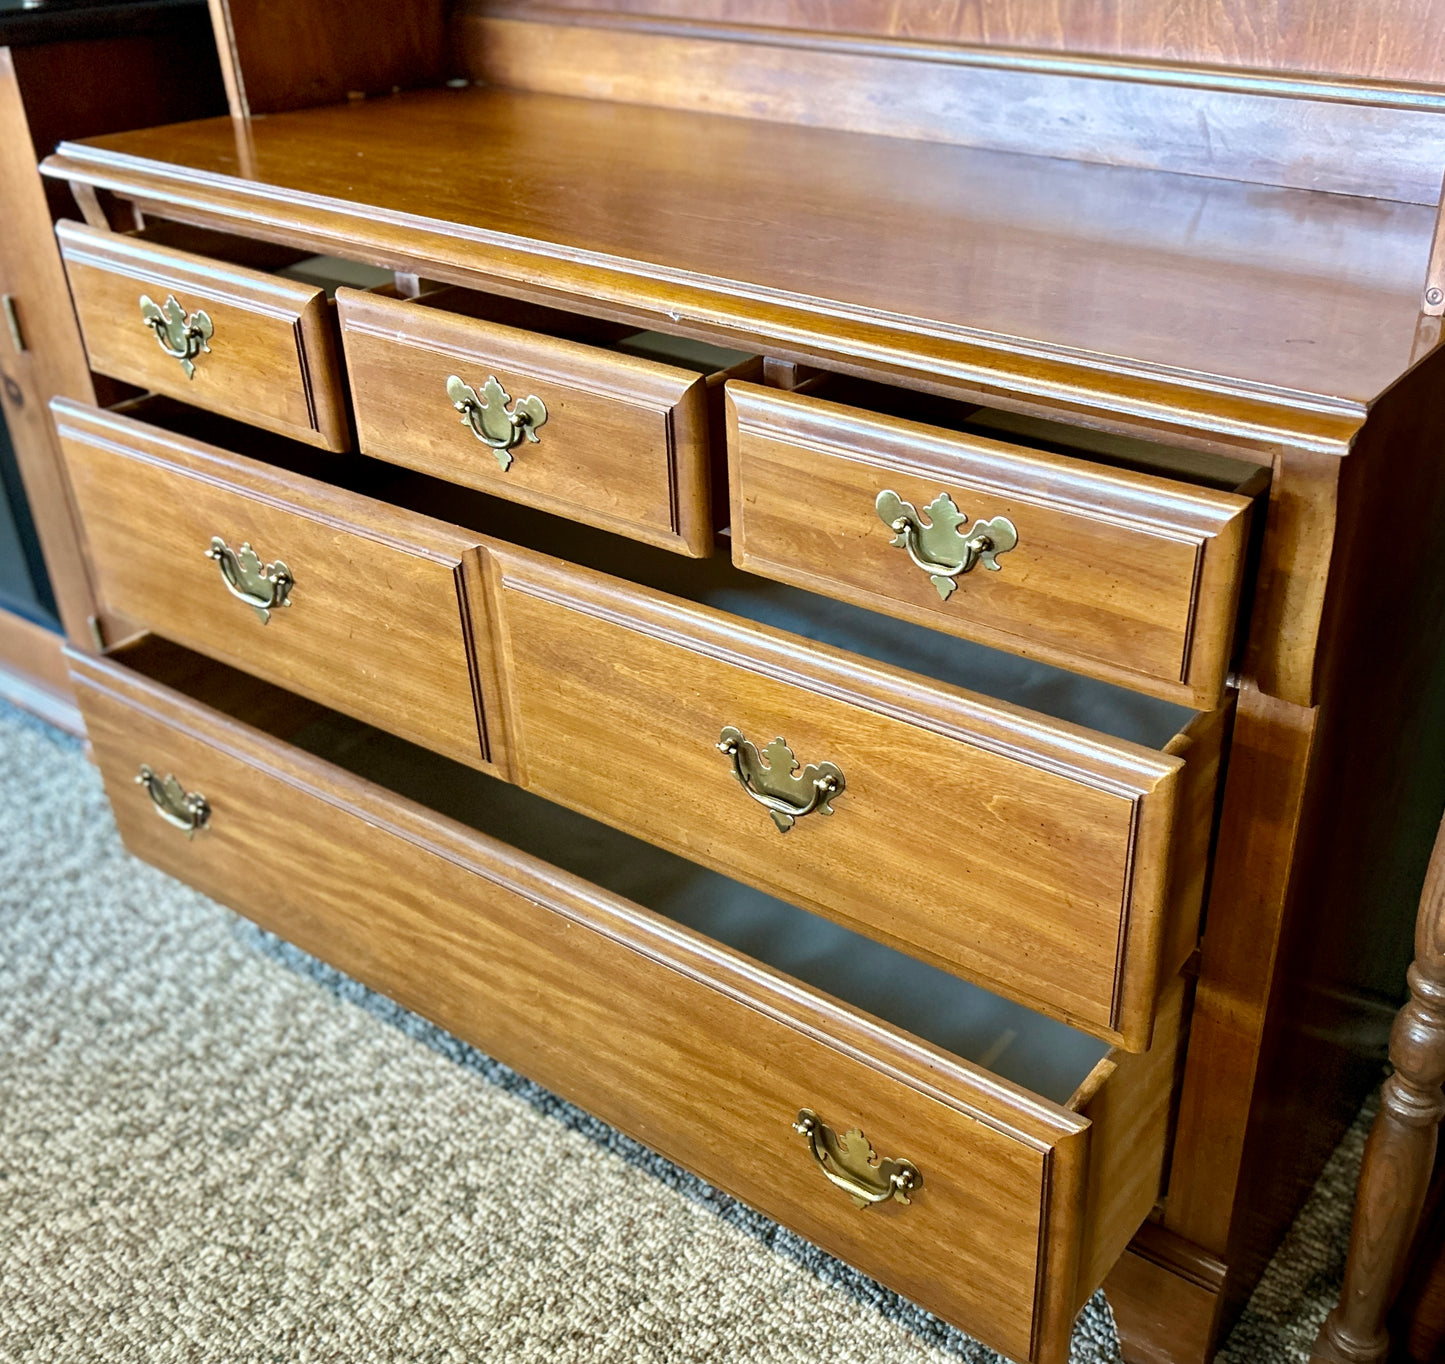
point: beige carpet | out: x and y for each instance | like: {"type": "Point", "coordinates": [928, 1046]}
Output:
{"type": "Point", "coordinates": [214, 1148]}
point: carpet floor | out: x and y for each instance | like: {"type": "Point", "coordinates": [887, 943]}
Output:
{"type": "Point", "coordinates": [213, 1147]}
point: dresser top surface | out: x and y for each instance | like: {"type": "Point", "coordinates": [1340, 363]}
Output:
{"type": "Point", "coordinates": [1115, 286]}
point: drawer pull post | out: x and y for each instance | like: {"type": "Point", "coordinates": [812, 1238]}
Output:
{"type": "Point", "coordinates": [181, 337]}
{"type": "Point", "coordinates": [490, 421]}
{"type": "Point", "coordinates": [187, 810]}
{"type": "Point", "coordinates": [940, 548]}
{"type": "Point", "coordinates": [263, 587]}
{"type": "Point", "coordinates": [851, 1163]}
{"type": "Point", "coordinates": [784, 788]}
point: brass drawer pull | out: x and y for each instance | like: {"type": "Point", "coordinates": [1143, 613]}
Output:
{"type": "Point", "coordinates": [850, 1162]}
{"type": "Point", "coordinates": [263, 587]}
{"type": "Point", "coordinates": [939, 548]}
{"type": "Point", "coordinates": [489, 420]}
{"type": "Point", "coordinates": [783, 788]}
{"type": "Point", "coordinates": [181, 337]}
{"type": "Point", "coordinates": [187, 810]}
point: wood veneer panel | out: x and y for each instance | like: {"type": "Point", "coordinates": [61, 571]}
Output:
{"type": "Point", "coordinates": [977, 271]}
{"type": "Point", "coordinates": [286, 54]}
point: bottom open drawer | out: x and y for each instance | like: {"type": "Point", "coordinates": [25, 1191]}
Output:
{"type": "Point", "coordinates": [611, 972]}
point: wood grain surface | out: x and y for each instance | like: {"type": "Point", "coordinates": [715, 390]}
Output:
{"type": "Point", "coordinates": [378, 621]}
{"type": "Point", "coordinates": [977, 272]}
{"type": "Point", "coordinates": [624, 447]}
{"type": "Point", "coordinates": [1375, 140]}
{"type": "Point", "coordinates": [704, 1055]}
{"type": "Point", "coordinates": [1386, 40]}
{"type": "Point", "coordinates": [1027, 854]}
{"type": "Point", "coordinates": [1123, 575]}
{"type": "Point", "coordinates": [272, 359]}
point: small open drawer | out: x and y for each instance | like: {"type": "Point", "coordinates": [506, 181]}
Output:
{"type": "Point", "coordinates": [700, 1017]}
{"type": "Point", "coordinates": [213, 329]}
{"type": "Point", "coordinates": [591, 420]}
{"type": "Point", "coordinates": [1118, 558]}
{"type": "Point", "coordinates": [324, 589]}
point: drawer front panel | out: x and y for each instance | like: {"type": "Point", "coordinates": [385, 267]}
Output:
{"type": "Point", "coordinates": [1127, 576]}
{"type": "Point", "coordinates": [1027, 855]}
{"type": "Point", "coordinates": [375, 619]}
{"type": "Point", "coordinates": [697, 1052]}
{"type": "Point", "coordinates": [623, 445]}
{"type": "Point", "coordinates": [261, 348]}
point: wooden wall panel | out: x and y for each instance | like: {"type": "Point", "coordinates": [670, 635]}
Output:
{"type": "Point", "coordinates": [1388, 40]}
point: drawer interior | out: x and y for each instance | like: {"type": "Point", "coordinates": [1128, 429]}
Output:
{"type": "Point", "coordinates": [619, 337]}
{"type": "Point", "coordinates": [1202, 468]}
{"type": "Point", "coordinates": [1111, 710]}
{"type": "Point", "coordinates": [1047, 1057]}
{"type": "Point", "coordinates": [287, 262]}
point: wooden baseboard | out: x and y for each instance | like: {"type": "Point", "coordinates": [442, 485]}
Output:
{"type": "Point", "coordinates": [33, 675]}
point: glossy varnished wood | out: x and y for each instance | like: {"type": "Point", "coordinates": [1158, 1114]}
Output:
{"type": "Point", "coordinates": [1025, 853]}
{"type": "Point", "coordinates": [1400, 1152]}
{"type": "Point", "coordinates": [288, 56]}
{"type": "Point", "coordinates": [378, 621]}
{"type": "Point", "coordinates": [1387, 40]}
{"type": "Point", "coordinates": [701, 1053]}
{"type": "Point", "coordinates": [33, 675]}
{"type": "Point", "coordinates": [1128, 576]}
{"type": "Point", "coordinates": [626, 441]}
{"type": "Point", "coordinates": [1346, 138]}
{"type": "Point", "coordinates": [272, 359]}
{"type": "Point", "coordinates": [976, 272]}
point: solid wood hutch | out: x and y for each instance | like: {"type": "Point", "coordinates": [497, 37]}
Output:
{"type": "Point", "coordinates": [853, 587]}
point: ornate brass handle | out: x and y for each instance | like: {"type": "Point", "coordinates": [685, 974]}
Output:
{"type": "Point", "coordinates": [939, 547]}
{"type": "Point", "coordinates": [181, 337]}
{"type": "Point", "coordinates": [187, 810]}
{"type": "Point", "coordinates": [783, 788]}
{"type": "Point", "coordinates": [850, 1162]}
{"type": "Point", "coordinates": [263, 587]}
{"type": "Point", "coordinates": [490, 421]}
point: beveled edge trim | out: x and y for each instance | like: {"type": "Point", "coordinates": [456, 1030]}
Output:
{"type": "Point", "coordinates": [413, 533]}
{"type": "Point", "coordinates": [116, 254]}
{"type": "Point", "coordinates": [904, 1058]}
{"type": "Point", "coordinates": [1263, 417]}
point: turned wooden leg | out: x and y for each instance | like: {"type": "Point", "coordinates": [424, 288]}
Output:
{"type": "Point", "coordinates": [1400, 1153]}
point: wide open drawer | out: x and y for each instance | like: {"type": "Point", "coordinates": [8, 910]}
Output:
{"type": "Point", "coordinates": [1049, 845]}
{"type": "Point", "coordinates": [1023, 1194]}
{"type": "Point", "coordinates": [357, 604]}
{"type": "Point", "coordinates": [243, 342]}
{"type": "Point", "coordinates": [590, 420]}
{"type": "Point", "coordinates": [1090, 563]}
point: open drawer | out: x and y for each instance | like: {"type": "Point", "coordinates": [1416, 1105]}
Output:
{"type": "Point", "coordinates": [321, 588]}
{"type": "Point", "coordinates": [592, 420]}
{"type": "Point", "coordinates": [212, 329]}
{"type": "Point", "coordinates": [1119, 558]}
{"type": "Point", "coordinates": [1040, 833]}
{"type": "Point", "coordinates": [1025, 1155]}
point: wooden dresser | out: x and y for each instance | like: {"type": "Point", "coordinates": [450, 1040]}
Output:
{"type": "Point", "coordinates": [853, 588]}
